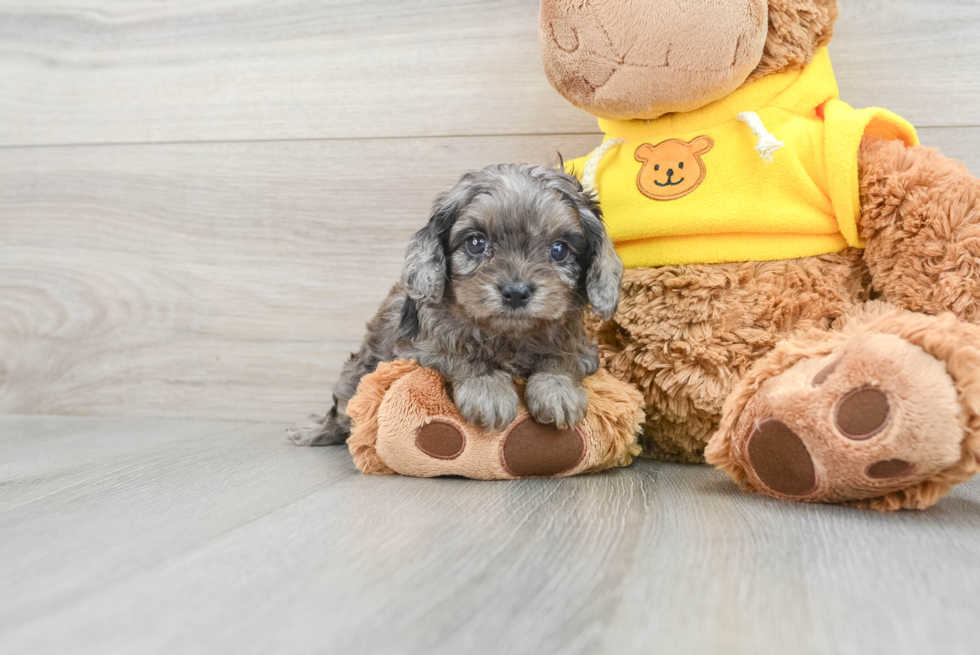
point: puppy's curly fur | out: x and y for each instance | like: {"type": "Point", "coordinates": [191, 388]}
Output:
{"type": "Point", "coordinates": [493, 289]}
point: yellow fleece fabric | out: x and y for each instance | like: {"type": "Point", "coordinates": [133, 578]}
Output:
{"type": "Point", "coordinates": [804, 203]}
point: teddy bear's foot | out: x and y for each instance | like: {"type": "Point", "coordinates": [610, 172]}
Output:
{"type": "Point", "coordinates": [405, 422]}
{"type": "Point", "coordinates": [872, 417]}
{"type": "Point", "coordinates": [876, 415]}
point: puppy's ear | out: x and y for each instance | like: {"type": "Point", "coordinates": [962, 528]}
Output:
{"type": "Point", "coordinates": [426, 270]}
{"type": "Point", "coordinates": [424, 273]}
{"type": "Point", "coordinates": [605, 273]}
{"type": "Point", "coordinates": [409, 326]}
{"type": "Point", "coordinates": [604, 268]}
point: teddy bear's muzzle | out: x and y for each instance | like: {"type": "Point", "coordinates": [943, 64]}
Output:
{"type": "Point", "coordinates": [619, 63]}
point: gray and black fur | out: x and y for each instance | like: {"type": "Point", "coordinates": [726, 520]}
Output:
{"type": "Point", "coordinates": [486, 296]}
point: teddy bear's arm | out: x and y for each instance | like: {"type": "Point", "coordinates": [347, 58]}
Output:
{"type": "Point", "coordinates": [920, 217]}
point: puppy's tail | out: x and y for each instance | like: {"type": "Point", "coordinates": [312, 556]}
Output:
{"type": "Point", "coordinates": [330, 430]}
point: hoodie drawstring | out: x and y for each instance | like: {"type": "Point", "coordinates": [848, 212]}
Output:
{"type": "Point", "coordinates": [592, 166]}
{"type": "Point", "coordinates": [768, 144]}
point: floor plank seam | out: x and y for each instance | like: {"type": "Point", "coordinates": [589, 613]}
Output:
{"type": "Point", "coordinates": [393, 137]}
{"type": "Point", "coordinates": [386, 137]}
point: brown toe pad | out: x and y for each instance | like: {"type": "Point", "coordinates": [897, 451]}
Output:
{"type": "Point", "coordinates": [863, 413]}
{"type": "Point", "coordinates": [820, 378]}
{"type": "Point", "coordinates": [890, 468]}
{"type": "Point", "coordinates": [440, 440]}
{"type": "Point", "coordinates": [532, 450]}
{"type": "Point", "coordinates": [780, 459]}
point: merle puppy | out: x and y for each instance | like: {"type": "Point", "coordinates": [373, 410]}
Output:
{"type": "Point", "coordinates": [493, 289]}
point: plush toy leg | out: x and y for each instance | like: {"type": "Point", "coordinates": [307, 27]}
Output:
{"type": "Point", "coordinates": [405, 423]}
{"type": "Point", "coordinates": [883, 413]}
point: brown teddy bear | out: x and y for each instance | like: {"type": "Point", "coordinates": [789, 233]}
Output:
{"type": "Point", "coordinates": [803, 277]}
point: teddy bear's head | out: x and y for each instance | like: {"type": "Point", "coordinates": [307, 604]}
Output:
{"type": "Point", "coordinates": [641, 59]}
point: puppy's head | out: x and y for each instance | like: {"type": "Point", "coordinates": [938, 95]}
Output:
{"type": "Point", "coordinates": [513, 247]}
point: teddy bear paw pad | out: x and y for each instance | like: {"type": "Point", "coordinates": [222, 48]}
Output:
{"type": "Point", "coordinates": [781, 460]}
{"type": "Point", "coordinates": [533, 450]}
{"type": "Point", "coordinates": [890, 468]}
{"type": "Point", "coordinates": [862, 413]}
{"type": "Point", "coordinates": [440, 440]}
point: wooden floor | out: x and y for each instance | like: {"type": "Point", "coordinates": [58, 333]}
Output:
{"type": "Point", "coordinates": [189, 536]}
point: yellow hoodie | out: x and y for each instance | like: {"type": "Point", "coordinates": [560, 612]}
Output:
{"type": "Point", "coordinates": [692, 188]}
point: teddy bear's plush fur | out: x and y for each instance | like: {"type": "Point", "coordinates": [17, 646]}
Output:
{"type": "Point", "coordinates": [743, 355]}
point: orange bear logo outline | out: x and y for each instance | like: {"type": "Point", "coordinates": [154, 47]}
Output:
{"type": "Point", "coordinates": [669, 160]}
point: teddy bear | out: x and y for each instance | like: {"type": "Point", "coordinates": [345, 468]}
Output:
{"type": "Point", "coordinates": [803, 278]}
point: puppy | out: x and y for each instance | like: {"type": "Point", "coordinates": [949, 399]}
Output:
{"type": "Point", "coordinates": [493, 288]}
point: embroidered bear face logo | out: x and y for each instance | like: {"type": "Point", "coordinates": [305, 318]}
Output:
{"type": "Point", "coordinates": [672, 169]}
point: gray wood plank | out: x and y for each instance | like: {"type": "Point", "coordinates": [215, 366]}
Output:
{"type": "Point", "coordinates": [919, 59]}
{"type": "Point", "coordinates": [247, 69]}
{"type": "Point", "coordinates": [238, 542]}
{"type": "Point", "coordinates": [215, 280]}
{"type": "Point", "coordinates": [94, 71]}
{"type": "Point", "coordinates": [957, 143]}
{"type": "Point", "coordinates": [136, 491]}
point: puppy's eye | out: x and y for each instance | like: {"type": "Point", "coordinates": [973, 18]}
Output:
{"type": "Point", "coordinates": [476, 245]}
{"type": "Point", "coordinates": [657, 167]}
{"type": "Point", "coordinates": [559, 251]}
{"type": "Point", "coordinates": [681, 165]}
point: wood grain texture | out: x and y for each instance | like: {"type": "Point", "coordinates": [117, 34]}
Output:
{"type": "Point", "coordinates": [164, 536]}
{"type": "Point", "coordinates": [95, 71]}
{"type": "Point", "coordinates": [213, 280]}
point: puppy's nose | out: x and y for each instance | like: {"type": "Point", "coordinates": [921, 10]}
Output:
{"type": "Point", "coordinates": [516, 295]}
{"type": "Point", "coordinates": [670, 172]}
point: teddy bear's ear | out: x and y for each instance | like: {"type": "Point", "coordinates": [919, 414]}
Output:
{"type": "Point", "coordinates": [797, 29]}
{"type": "Point", "coordinates": [644, 153]}
{"type": "Point", "coordinates": [702, 145]}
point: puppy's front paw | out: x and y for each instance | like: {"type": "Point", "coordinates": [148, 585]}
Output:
{"type": "Point", "coordinates": [557, 399]}
{"type": "Point", "coordinates": [488, 401]}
